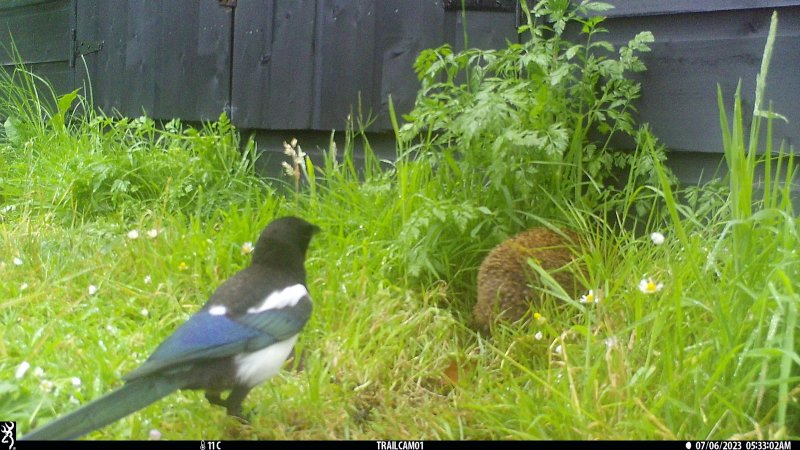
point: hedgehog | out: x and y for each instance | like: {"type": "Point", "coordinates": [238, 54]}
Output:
{"type": "Point", "coordinates": [507, 283]}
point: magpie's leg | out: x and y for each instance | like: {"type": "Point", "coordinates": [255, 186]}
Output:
{"type": "Point", "coordinates": [233, 403]}
{"type": "Point", "coordinates": [235, 399]}
{"type": "Point", "coordinates": [215, 398]}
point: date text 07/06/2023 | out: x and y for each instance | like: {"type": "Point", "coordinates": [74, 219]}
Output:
{"type": "Point", "coordinates": [739, 445]}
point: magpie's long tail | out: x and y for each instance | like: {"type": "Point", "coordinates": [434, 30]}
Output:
{"type": "Point", "coordinates": [131, 397]}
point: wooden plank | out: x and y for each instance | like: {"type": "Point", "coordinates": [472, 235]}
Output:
{"type": "Point", "coordinates": [176, 58]}
{"type": "Point", "coordinates": [345, 61]}
{"type": "Point", "coordinates": [407, 27]}
{"type": "Point", "coordinates": [192, 60]}
{"type": "Point", "coordinates": [291, 68]}
{"type": "Point", "coordinates": [121, 73]}
{"type": "Point", "coordinates": [13, 4]}
{"type": "Point", "coordinates": [295, 70]}
{"type": "Point", "coordinates": [273, 68]}
{"type": "Point", "coordinates": [481, 5]}
{"type": "Point", "coordinates": [59, 78]}
{"type": "Point", "coordinates": [695, 52]}
{"type": "Point", "coordinates": [627, 8]}
{"type": "Point", "coordinates": [252, 42]}
{"type": "Point", "coordinates": [87, 72]}
{"type": "Point", "coordinates": [485, 30]}
{"type": "Point", "coordinates": [165, 59]}
{"type": "Point", "coordinates": [135, 85]}
{"type": "Point", "coordinates": [41, 32]}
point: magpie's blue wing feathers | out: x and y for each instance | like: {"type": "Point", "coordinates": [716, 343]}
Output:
{"type": "Point", "coordinates": [203, 336]}
{"type": "Point", "coordinates": [207, 336]}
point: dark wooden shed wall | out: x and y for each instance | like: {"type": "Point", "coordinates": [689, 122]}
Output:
{"type": "Point", "coordinates": [694, 52]}
{"type": "Point", "coordinates": [41, 32]}
{"type": "Point", "coordinates": [292, 66]}
{"type": "Point", "coordinates": [166, 59]}
{"type": "Point", "coordinates": [306, 64]}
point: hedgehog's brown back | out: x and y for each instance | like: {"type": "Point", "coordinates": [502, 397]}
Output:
{"type": "Point", "coordinates": [505, 278]}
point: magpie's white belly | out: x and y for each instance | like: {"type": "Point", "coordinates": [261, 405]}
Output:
{"type": "Point", "coordinates": [256, 367]}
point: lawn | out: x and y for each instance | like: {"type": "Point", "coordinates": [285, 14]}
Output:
{"type": "Point", "coordinates": [113, 231]}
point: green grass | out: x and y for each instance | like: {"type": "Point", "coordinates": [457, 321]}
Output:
{"type": "Point", "coordinates": [389, 352]}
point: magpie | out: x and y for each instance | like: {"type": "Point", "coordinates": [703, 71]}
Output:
{"type": "Point", "coordinates": [238, 339]}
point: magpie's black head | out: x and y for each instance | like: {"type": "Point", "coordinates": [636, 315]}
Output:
{"type": "Point", "coordinates": [284, 242]}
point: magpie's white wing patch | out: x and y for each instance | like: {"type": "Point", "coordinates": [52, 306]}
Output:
{"type": "Point", "coordinates": [217, 310]}
{"type": "Point", "coordinates": [260, 365]}
{"type": "Point", "coordinates": [286, 297]}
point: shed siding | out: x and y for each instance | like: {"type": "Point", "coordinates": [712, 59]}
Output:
{"type": "Point", "coordinates": [167, 59]}
{"type": "Point", "coordinates": [42, 33]}
{"type": "Point", "coordinates": [303, 65]}
{"type": "Point", "coordinates": [695, 52]}
{"type": "Point", "coordinates": [629, 8]}
{"type": "Point", "coordinates": [273, 64]}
